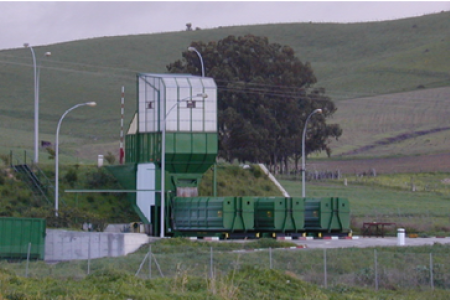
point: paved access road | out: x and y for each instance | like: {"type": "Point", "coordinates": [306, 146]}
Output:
{"type": "Point", "coordinates": [363, 242]}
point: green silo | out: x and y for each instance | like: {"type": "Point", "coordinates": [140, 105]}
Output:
{"type": "Point", "coordinates": [182, 110]}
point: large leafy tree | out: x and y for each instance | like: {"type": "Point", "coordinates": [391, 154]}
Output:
{"type": "Point", "coordinates": [265, 96]}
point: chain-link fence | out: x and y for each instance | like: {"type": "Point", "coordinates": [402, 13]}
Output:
{"type": "Point", "coordinates": [363, 267]}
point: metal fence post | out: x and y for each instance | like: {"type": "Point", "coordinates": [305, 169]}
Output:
{"type": "Point", "coordinates": [375, 268]}
{"type": "Point", "coordinates": [150, 262]}
{"type": "Point", "coordinates": [142, 264]}
{"type": "Point", "coordinates": [270, 258]}
{"type": "Point", "coordinates": [89, 256]}
{"type": "Point", "coordinates": [157, 265]}
{"type": "Point", "coordinates": [28, 259]}
{"type": "Point", "coordinates": [211, 263]}
{"type": "Point", "coordinates": [431, 272]}
{"type": "Point", "coordinates": [325, 267]}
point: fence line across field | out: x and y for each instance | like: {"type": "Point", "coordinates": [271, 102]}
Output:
{"type": "Point", "coordinates": [366, 267]}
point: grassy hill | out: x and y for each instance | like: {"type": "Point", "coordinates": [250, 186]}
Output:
{"type": "Point", "coordinates": [352, 61]}
{"type": "Point", "coordinates": [391, 82]}
{"type": "Point", "coordinates": [401, 124]}
{"type": "Point", "coordinates": [109, 207]}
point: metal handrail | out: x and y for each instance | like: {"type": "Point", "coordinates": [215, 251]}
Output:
{"type": "Point", "coordinates": [37, 181]}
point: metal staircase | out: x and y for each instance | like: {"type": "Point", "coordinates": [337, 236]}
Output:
{"type": "Point", "coordinates": [34, 178]}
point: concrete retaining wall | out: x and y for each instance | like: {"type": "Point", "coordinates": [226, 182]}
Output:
{"type": "Point", "coordinates": [71, 245]}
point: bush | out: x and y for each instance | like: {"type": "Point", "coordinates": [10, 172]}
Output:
{"type": "Point", "coordinates": [71, 177]}
{"type": "Point", "coordinates": [51, 153]}
{"type": "Point", "coordinates": [257, 172]}
{"type": "Point", "coordinates": [110, 158]}
{"type": "Point", "coordinates": [100, 179]}
{"type": "Point", "coordinates": [6, 159]}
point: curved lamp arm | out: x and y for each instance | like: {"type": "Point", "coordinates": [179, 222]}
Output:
{"type": "Point", "coordinates": [192, 49]}
{"type": "Point", "coordinates": [57, 152]}
{"type": "Point", "coordinates": [316, 111]}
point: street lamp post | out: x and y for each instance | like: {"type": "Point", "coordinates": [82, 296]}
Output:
{"type": "Point", "coordinates": [38, 75]}
{"type": "Point", "coordinates": [192, 49]}
{"type": "Point", "coordinates": [163, 156]}
{"type": "Point", "coordinates": [36, 101]}
{"type": "Point", "coordinates": [57, 151]}
{"type": "Point", "coordinates": [316, 111]}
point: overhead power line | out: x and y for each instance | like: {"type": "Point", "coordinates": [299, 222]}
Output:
{"type": "Point", "coordinates": [249, 88]}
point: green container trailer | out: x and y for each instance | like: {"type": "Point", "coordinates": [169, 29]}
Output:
{"type": "Point", "coordinates": [327, 214]}
{"type": "Point", "coordinates": [212, 214]}
{"type": "Point", "coordinates": [22, 236]}
{"type": "Point", "coordinates": [279, 214]}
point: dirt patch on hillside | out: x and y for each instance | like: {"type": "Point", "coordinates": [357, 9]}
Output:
{"type": "Point", "coordinates": [396, 139]}
{"type": "Point", "coordinates": [410, 164]}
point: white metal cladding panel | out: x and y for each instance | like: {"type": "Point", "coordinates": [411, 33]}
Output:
{"type": "Point", "coordinates": [198, 118]}
{"type": "Point", "coordinates": [198, 113]}
{"type": "Point", "coordinates": [141, 103]}
{"type": "Point", "coordinates": [210, 110]}
{"type": "Point", "coordinates": [146, 180]}
{"type": "Point", "coordinates": [160, 101]}
{"type": "Point", "coordinates": [169, 82]}
{"type": "Point", "coordinates": [181, 112]}
{"type": "Point", "coordinates": [209, 83]}
{"type": "Point", "coordinates": [171, 103]}
{"type": "Point", "coordinates": [185, 118]}
{"type": "Point", "coordinates": [196, 85]}
{"type": "Point", "coordinates": [183, 84]}
{"type": "Point", "coordinates": [147, 104]}
{"type": "Point", "coordinates": [157, 91]}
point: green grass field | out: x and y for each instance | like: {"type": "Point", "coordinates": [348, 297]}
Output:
{"type": "Point", "coordinates": [183, 269]}
{"type": "Point", "coordinates": [407, 124]}
{"type": "Point", "coordinates": [389, 198]}
{"type": "Point", "coordinates": [353, 62]}
{"type": "Point", "coordinates": [390, 81]}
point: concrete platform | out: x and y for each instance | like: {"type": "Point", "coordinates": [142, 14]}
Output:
{"type": "Point", "coordinates": [62, 245]}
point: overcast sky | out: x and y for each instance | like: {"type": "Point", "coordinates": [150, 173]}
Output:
{"type": "Point", "coordinates": [42, 23]}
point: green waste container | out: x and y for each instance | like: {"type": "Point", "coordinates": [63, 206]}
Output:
{"type": "Point", "coordinates": [18, 236]}
{"type": "Point", "coordinates": [213, 214]}
{"type": "Point", "coordinates": [327, 214]}
{"type": "Point", "coordinates": [279, 214]}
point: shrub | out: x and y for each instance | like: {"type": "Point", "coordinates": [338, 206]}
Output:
{"type": "Point", "coordinates": [110, 158]}
{"type": "Point", "coordinates": [51, 153]}
{"type": "Point", "coordinates": [6, 159]}
{"type": "Point", "coordinates": [71, 177]}
{"type": "Point", "coordinates": [100, 179]}
{"type": "Point", "coordinates": [257, 172]}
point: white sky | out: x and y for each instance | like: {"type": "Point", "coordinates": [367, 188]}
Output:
{"type": "Point", "coordinates": [42, 23]}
